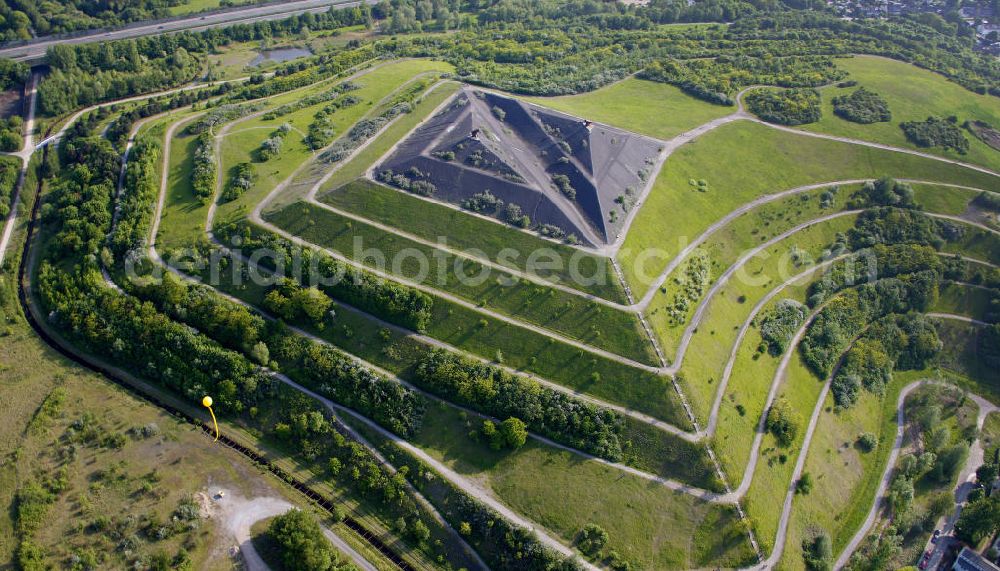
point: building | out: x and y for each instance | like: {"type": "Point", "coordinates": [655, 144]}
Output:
{"type": "Point", "coordinates": [969, 560]}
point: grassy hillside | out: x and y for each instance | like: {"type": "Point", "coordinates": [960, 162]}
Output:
{"type": "Point", "coordinates": [913, 94]}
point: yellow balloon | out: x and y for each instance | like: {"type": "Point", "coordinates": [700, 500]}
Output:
{"type": "Point", "coordinates": [207, 401]}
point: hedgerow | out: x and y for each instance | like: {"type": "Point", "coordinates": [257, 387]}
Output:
{"type": "Point", "coordinates": [204, 172]}
{"type": "Point", "coordinates": [896, 342]}
{"type": "Point", "coordinates": [493, 391]}
{"type": "Point", "coordinates": [836, 325]}
{"type": "Point", "coordinates": [779, 325]}
{"type": "Point", "coordinates": [391, 301]}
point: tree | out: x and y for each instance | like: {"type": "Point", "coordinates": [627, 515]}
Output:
{"type": "Point", "coordinates": [979, 519]}
{"type": "Point", "coordinates": [514, 432]}
{"type": "Point", "coordinates": [419, 531]}
{"type": "Point", "coordinates": [804, 484]}
{"type": "Point", "coordinates": [592, 539]}
{"type": "Point", "coordinates": [900, 495]}
{"type": "Point", "coordinates": [817, 552]}
{"type": "Point", "coordinates": [782, 422]}
{"type": "Point", "coordinates": [867, 442]}
{"type": "Point", "coordinates": [301, 544]}
{"type": "Point", "coordinates": [987, 474]}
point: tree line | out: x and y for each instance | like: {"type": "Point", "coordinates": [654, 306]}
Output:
{"type": "Point", "coordinates": [391, 301]}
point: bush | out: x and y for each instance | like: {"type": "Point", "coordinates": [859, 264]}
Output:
{"type": "Point", "coordinates": [867, 442]}
{"type": "Point", "coordinates": [780, 324]}
{"type": "Point", "coordinates": [204, 173]}
{"type": "Point", "coordinates": [804, 484]}
{"type": "Point", "coordinates": [388, 300]}
{"type": "Point", "coordinates": [899, 226]}
{"type": "Point", "coordinates": [301, 544]}
{"type": "Point", "coordinates": [839, 322]}
{"type": "Point", "coordinates": [817, 552]}
{"type": "Point", "coordinates": [862, 106]}
{"type": "Point", "coordinates": [885, 191]}
{"type": "Point", "coordinates": [785, 107]}
{"type": "Point", "coordinates": [782, 422]}
{"type": "Point", "coordinates": [592, 539]}
{"type": "Point", "coordinates": [936, 132]}
{"type": "Point", "coordinates": [242, 178]}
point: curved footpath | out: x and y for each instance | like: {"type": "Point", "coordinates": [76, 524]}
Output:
{"type": "Point", "coordinates": [252, 560]}
{"type": "Point", "coordinates": [779, 545]}
{"type": "Point", "coordinates": [25, 155]}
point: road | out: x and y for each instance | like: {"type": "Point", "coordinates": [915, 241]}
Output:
{"type": "Point", "coordinates": [275, 11]}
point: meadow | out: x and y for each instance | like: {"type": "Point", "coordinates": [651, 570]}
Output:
{"type": "Point", "coordinates": [468, 232]}
{"type": "Point", "coordinates": [562, 493]}
{"type": "Point", "coordinates": [913, 94]}
{"type": "Point", "coordinates": [655, 109]}
{"type": "Point", "coordinates": [742, 161]}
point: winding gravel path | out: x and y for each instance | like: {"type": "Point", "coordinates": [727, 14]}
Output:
{"type": "Point", "coordinates": [25, 155]}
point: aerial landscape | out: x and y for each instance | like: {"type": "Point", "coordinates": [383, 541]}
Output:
{"type": "Point", "coordinates": [540, 285]}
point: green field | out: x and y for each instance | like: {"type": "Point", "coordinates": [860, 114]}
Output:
{"type": "Point", "coordinates": [742, 161]}
{"type": "Point", "coordinates": [647, 107]}
{"type": "Point", "coordinates": [185, 215]}
{"type": "Point", "coordinates": [727, 311]}
{"type": "Point", "coordinates": [913, 94]}
{"type": "Point", "coordinates": [243, 140]}
{"type": "Point", "coordinates": [649, 525]}
{"type": "Point", "coordinates": [846, 478]}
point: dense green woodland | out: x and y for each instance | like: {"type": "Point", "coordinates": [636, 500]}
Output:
{"type": "Point", "coordinates": [24, 19]}
{"type": "Point", "coordinates": [546, 48]}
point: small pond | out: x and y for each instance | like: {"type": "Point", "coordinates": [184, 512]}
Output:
{"type": "Point", "coordinates": [279, 55]}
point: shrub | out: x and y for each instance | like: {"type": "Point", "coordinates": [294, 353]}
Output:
{"type": "Point", "coordinates": [491, 390]}
{"type": "Point", "coordinates": [936, 132]}
{"type": "Point", "coordinates": [301, 544]}
{"type": "Point", "coordinates": [804, 484]}
{"type": "Point", "coordinates": [862, 106]}
{"type": "Point", "coordinates": [782, 422]}
{"type": "Point", "coordinates": [242, 178]}
{"type": "Point", "coordinates": [817, 552]}
{"type": "Point", "coordinates": [205, 168]}
{"type": "Point", "coordinates": [592, 539]}
{"type": "Point", "coordinates": [388, 300]}
{"type": "Point", "coordinates": [867, 442]}
{"type": "Point", "coordinates": [780, 324]}
{"type": "Point", "coordinates": [885, 191]}
{"type": "Point", "coordinates": [785, 107]}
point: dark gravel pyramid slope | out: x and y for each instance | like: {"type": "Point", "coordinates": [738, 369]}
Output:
{"type": "Point", "coordinates": [567, 175]}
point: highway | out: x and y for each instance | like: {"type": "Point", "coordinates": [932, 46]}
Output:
{"type": "Point", "coordinates": [254, 13]}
